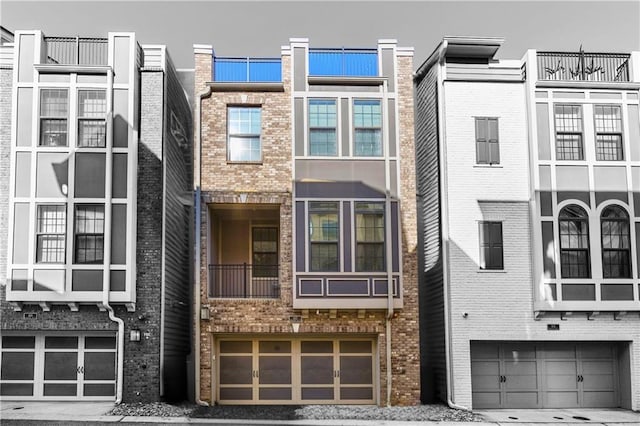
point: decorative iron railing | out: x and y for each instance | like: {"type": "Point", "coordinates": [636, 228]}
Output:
{"type": "Point", "coordinates": [343, 62]}
{"type": "Point", "coordinates": [244, 281]}
{"type": "Point", "coordinates": [255, 70]}
{"type": "Point", "coordinates": [583, 66]}
{"type": "Point", "coordinates": [76, 50]}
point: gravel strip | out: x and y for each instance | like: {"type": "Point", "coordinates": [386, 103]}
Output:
{"type": "Point", "coordinates": [430, 412]}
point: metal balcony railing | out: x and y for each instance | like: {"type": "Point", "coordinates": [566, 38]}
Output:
{"type": "Point", "coordinates": [76, 50]}
{"type": "Point", "coordinates": [254, 70]}
{"type": "Point", "coordinates": [343, 62]}
{"type": "Point", "coordinates": [244, 281]}
{"type": "Point", "coordinates": [582, 66]}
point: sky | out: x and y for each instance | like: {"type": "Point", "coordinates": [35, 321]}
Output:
{"type": "Point", "coordinates": [259, 27]}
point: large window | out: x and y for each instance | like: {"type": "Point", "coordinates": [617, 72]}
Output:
{"type": "Point", "coordinates": [54, 110]}
{"type": "Point", "coordinates": [574, 242]}
{"type": "Point", "coordinates": [265, 252]}
{"type": "Point", "coordinates": [89, 233]}
{"type": "Point", "coordinates": [608, 124]}
{"type": "Point", "coordinates": [92, 107]}
{"type": "Point", "coordinates": [568, 120]}
{"type": "Point", "coordinates": [491, 248]}
{"type": "Point", "coordinates": [616, 243]}
{"type": "Point", "coordinates": [367, 123]}
{"type": "Point", "coordinates": [324, 229]}
{"type": "Point", "coordinates": [243, 124]}
{"type": "Point", "coordinates": [51, 233]}
{"type": "Point", "coordinates": [369, 237]}
{"type": "Point", "coordinates": [322, 127]}
{"type": "Point", "coordinates": [487, 145]}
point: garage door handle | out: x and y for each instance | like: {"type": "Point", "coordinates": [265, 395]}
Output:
{"type": "Point", "coordinates": [503, 379]}
{"type": "Point", "coordinates": [80, 369]}
{"type": "Point", "coordinates": [580, 378]}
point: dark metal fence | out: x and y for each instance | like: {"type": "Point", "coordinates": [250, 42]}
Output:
{"type": "Point", "coordinates": [244, 281]}
{"type": "Point", "coordinates": [583, 66]}
{"type": "Point", "coordinates": [76, 50]}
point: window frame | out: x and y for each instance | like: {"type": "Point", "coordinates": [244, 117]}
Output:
{"type": "Point", "coordinates": [584, 220]}
{"type": "Point", "coordinates": [359, 211]}
{"type": "Point", "coordinates": [42, 118]}
{"type": "Point", "coordinates": [311, 128]}
{"type": "Point", "coordinates": [487, 245]}
{"type": "Point", "coordinates": [88, 119]}
{"type": "Point", "coordinates": [559, 133]}
{"type": "Point", "coordinates": [598, 133]}
{"type": "Point", "coordinates": [243, 135]}
{"type": "Point", "coordinates": [269, 267]}
{"type": "Point", "coordinates": [624, 222]}
{"type": "Point", "coordinates": [39, 233]}
{"type": "Point", "coordinates": [488, 141]}
{"type": "Point", "coordinates": [77, 235]}
{"type": "Point", "coordinates": [367, 128]}
{"type": "Point", "coordinates": [311, 243]}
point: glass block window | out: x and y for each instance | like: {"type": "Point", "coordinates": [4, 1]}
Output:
{"type": "Point", "coordinates": [367, 124]}
{"type": "Point", "coordinates": [89, 233]}
{"type": "Point", "coordinates": [322, 127]}
{"type": "Point", "coordinates": [324, 231]}
{"type": "Point", "coordinates": [51, 233]}
{"type": "Point", "coordinates": [244, 124]}
{"type": "Point", "coordinates": [574, 242]}
{"type": "Point", "coordinates": [54, 111]}
{"type": "Point", "coordinates": [568, 122]}
{"type": "Point", "coordinates": [491, 246]}
{"type": "Point", "coordinates": [369, 237]}
{"type": "Point", "coordinates": [265, 252]}
{"type": "Point", "coordinates": [92, 109]}
{"type": "Point", "coordinates": [608, 124]}
{"type": "Point", "coordinates": [616, 243]}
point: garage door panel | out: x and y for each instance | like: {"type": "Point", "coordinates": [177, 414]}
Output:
{"type": "Point", "coordinates": [236, 394]}
{"type": "Point", "coordinates": [597, 367]}
{"type": "Point", "coordinates": [17, 365]}
{"type": "Point", "coordinates": [485, 351]}
{"type": "Point", "coordinates": [561, 382]}
{"type": "Point", "coordinates": [518, 351]}
{"type": "Point", "coordinates": [555, 399]}
{"type": "Point", "coordinates": [521, 382]}
{"type": "Point", "coordinates": [559, 351]}
{"type": "Point", "coordinates": [275, 370]}
{"type": "Point", "coordinates": [356, 370]}
{"type": "Point", "coordinates": [520, 368]}
{"type": "Point", "coordinates": [598, 382]}
{"type": "Point", "coordinates": [596, 350]}
{"type": "Point", "coordinates": [561, 368]}
{"type": "Point", "coordinates": [316, 370]}
{"type": "Point", "coordinates": [236, 370]}
{"type": "Point", "coordinates": [281, 394]}
{"type": "Point", "coordinates": [486, 399]}
{"type": "Point", "coordinates": [317, 393]}
{"type": "Point", "coordinates": [60, 366]}
{"type": "Point", "coordinates": [599, 399]}
{"type": "Point", "coordinates": [99, 366]}
{"type": "Point", "coordinates": [60, 389]}
{"type": "Point", "coordinates": [356, 393]}
{"type": "Point", "coordinates": [485, 368]}
{"type": "Point", "coordinates": [99, 389]}
{"type": "Point", "coordinates": [486, 382]}
{"type": "Point", "coordinates": [16, 389]}
{"type": "Point", "coordinates": [521, 399]}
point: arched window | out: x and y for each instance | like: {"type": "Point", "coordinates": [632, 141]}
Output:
{"type": "Point", "coordinates": [616, 243]}
{"type": "Point", "coordinates": [574, 242]}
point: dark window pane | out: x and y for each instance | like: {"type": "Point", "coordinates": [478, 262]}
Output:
{"type": "Point", "coordinates": [241, 394]}
{"type": "Point", "coordinates": [578, 292]}
{"type": "Point", "coordinates": [99, 389]}
{"type": "Point", "coordinates": [99, 366]}
{"type": "Point", "coordinates": [317, 393]}
{"type": "Point", "coordinates": [18, 342]}
{"type": "Point", "coordinates": [275, 347]}
{"type": "Point", "coordinates": [17, 365]}
{"type": "Point", "coordinates": [315, 346]}
{"type": "Point", "coordinates": [60, 389]}
{"type": "Point", "coordinates": [355, 346]}
{"type": "Point", "coordinates": [317, 370]}
{"type": "Point", "coordinates": [60, 365]}
{"type": "Point", "coordinates": [356, 370]}
{"type": "Point", "coordinates": [65, 342]}
{"type": "Point", "coordinates": [275, 370]}
{"type": "Point", "coordinates": [16, 389]}
{"type": "Point", "coordinates": [236, 370]}
{"type": "Point", "coordinates": [275, 393]}
{"type": "Point", "coordinates": [356, 393]}
{"type": "Point", "coordinates": [235, 347]}
{"type": "Point", "coordinates": [100, 342]}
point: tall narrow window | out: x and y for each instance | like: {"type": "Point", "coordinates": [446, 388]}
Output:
{"type": "Point", "coordinates": [568, 120]}
{"type": "Point", "coordinates": [92, 108]}
{"type": "Point", "coordinates": [608, 124]}
{"type": "Point", "coordinates": [54, 110]}
{"type": "Point", "coordinates": [324, 229]}
{"type": "Point", "coordinates": [322, 127]}
{"type": "Point", "coordinates": [491, 247]}
{"type": "Point", "coordinates": [574, 242]}
{"type": "Point", "coordinates": [369, 237]}
{"type": "Point", "coordinates": [89, 233]}
{"type": "Point", "coordinates": [367, 123]}
{"type": "Point", "coordinates": [265, 252]}
{"type": "Point", "coordinates": [51, 233]}
{"type": "Point", "coordinates": [243, 124]}
{"type": "Point", "coordinates": [616, 243]}
{"type": "Point", "coordinates": [487, 145]}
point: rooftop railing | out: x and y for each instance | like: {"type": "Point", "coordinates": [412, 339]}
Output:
{"type": "Point", "coordinates": [582, 66]}
{"type": "Point", "coordinates": [254, 70]}
{"type": "Point", "coordinates": [343, 62]}
{"type": "Point", "coordinates": [76, 50]}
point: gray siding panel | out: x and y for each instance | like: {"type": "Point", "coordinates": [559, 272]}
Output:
{"type": "Point", "coordinates": [23, 174]}
{"type": "Point", "coordinates": [634, 132]}
{"type": "Point", "coordinates": [392, 128]}
{"type": "Point", "coordinates": [299, 123]}
{"type": "Point", "coordinates": [334, 190]}
{"type": "Point", "coordinates": [481, 71]}
{"type": "Point", "coordinates": [395, 243]}
{"type": "Point", "coordinates": [388, 68]}
{"type": "Point", "coordinates": [119, 176]}
{"type": "Point", "coordinates": [346, 244]}
{"type": "Point", "coordinates": [118, 234]}
{"type": "Point", "coordinates": [299, 69]}
{"type": "Point", "coordinates": [346, 127]}
{"type": "Point", "coordinates": [542, 114]}
{"type": "Point", "coordinates": [548, 247]}
{"type": "Point", "coordinates": [24, 116]}
{"type": "Point", "coordinates": [21, 233]}
{"type": "Point", "coordinates": [299, 235]}
{"type": "Point", "coordinates": [89, 175]}
{"type": "Point", "coordinates": [25, 57]}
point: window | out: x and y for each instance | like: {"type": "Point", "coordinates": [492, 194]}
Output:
{"type": "Point", "coordinates": [574, 243]}
{"type": "Point", "coordinates": [367, 123]}
{"type": "Point", "coordinates": [244, 134]}
{"type": "Point", "coordinates": [322, 127]}
{"type": "Point", "coordinates": [608, 124]}
{"type": "Point", "coordinates": [491, 245]}
{"type": "Point", "coordinates": [89, 233]}
{"type": "Point", "coordinates": [51, 233]}
{"type": "Point", "coordinates": [568, 119]}
{"type": "Point", "coordinates": [487, 147]}
{"type": "Point", "coordinates": [54, 108]}
{"type": "Point", "coordinates": [265, 252]}
{"type": "Point", "coordinates": [616, 243]}
{"type": "Point", "coordinates": [369, 237]}
{"type": "Point", "coordinates": [324, 229]}
{"type": "Point", "coordinates": [92, 107]}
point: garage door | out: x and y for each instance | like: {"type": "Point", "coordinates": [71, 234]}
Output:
{"type": "Point", "coordinates": [58, 367]}
{"type": "Point", "coordinates": [544, 375]}
{"type": "Point", "coordinates": [293, 371]}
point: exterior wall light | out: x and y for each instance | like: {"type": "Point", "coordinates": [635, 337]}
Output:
{"type": "Point", "coordinates": [204, 313]}
{"type": "Point", "coordinates": [134, 336]}
{"type": "Point", "coordinates": [295, 320]}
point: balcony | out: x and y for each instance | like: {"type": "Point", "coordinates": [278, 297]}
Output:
{"type": "Point", "coordinates": [582, 66]}
{"type": "Point", "coordinates": [343, 62]}
{"type": "Point", "coordinates": [247, 70]}
{"type": "Point", "coordinates": [244, 281]}
{"type": "Point", "coordinates": [76, 50]}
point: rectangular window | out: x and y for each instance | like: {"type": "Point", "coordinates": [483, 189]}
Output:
{"type": "Point", "coordinates": [54, 110]}
{"type": "Point", "coordinates": [89, 233]}
{"type": "Point", "coordinates": [487, 145]}
{"type": "Point", "coordinates": [568, 121]}
{"type": "Point", "coordinates": [265, 252]}
{"type": "Point", "coordinates": [92, 108]}
{"type": "Point", "coordinates": [369, 237]}
{"type": "Point", "coordinates": [51, 233]}
{"type": "Point", "coordinates": [367, 124]}
{"type": "Point", "coordinates": [244, 124]}
{"type": "Point", "coordinates": [491, 245]}
{"type": "Point", "coordinates": [322, 127]}
{"type": "Point", "coordinates": [324, 229]}
{"type": "Point", "coordinates": [608, 124]}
